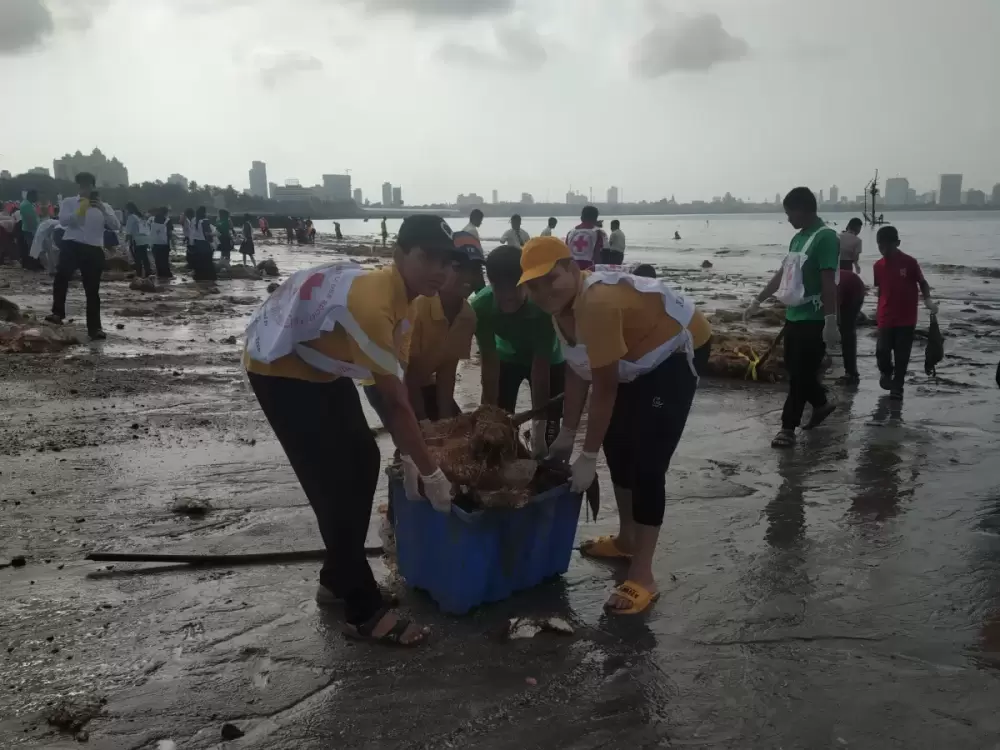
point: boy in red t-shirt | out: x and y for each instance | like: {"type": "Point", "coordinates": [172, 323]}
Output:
{"type": "Point", "coordinates": [897, 279]}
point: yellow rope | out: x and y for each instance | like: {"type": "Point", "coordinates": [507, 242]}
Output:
{"type": "Point", "coordinates": [752, 367]}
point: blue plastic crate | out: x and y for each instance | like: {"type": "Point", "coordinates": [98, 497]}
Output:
{"type": "Point", "coordinates": [465, 559]}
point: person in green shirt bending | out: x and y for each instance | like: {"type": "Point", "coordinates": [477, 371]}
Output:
{"type": "Point", "coordinates": [807, 284]}
{"type": "Point", "coordinates": [517, 342]}
{"type": "Point", "coordinates": [29, 225]}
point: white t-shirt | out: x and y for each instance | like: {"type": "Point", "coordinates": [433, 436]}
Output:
{"type": "Point", "coordinates": [547, 232]}
{"type": "Point", "coordinates": [89, 229]}
{"type": "Point", "coordinates": [850, 247]}
{"type": "Point", "coordinates": [617, 240]}
{"type": "Point", "coordinates": [515, 237]}
{"type": "Point", "coordinates": [472, 229]}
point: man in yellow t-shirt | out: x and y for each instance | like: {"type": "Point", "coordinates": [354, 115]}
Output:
{"type": "Point", "coordinates": [638, 361]}
{"type": "Point", "coordinates": [312, 404]}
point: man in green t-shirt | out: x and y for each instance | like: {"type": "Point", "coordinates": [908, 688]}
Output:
{"type": "Point", "coordinates": [517, 342]}
{"type": "Point", "coordinates": [812, 325]}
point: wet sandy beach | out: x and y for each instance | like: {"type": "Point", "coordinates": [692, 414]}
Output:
{"type": "Point", "coordinates": [844, 594]}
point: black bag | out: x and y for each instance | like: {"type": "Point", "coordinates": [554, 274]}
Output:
{"type": "Point", "coordinates": [935, 348]}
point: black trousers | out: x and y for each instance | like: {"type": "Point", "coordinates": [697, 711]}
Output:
{"type": "Point", "coordinates": [140, 255]}
{"type": "Point", "coordinates": [804, 352]}
{"type": "Point", "coordinates": [90, 261]}
{"type": "Point", "coordinates": [161, 257]}
{"type": "Point", "coordinates": [225, 247]}
{"type": "Point", "coordinates": [203, 269]}
{"type": "Point", "coordinates": [847, 321]}
{"type": "Point", "coordinates": [323, 431]}
{"type": "Point", "coordinates": [27, 262]}
{"type": "Point", "coordinates": [892, 352]}
{"type": "Point", "coordinates": [646, 427]}
{"type": "Point", "coordinates": [612, 257]}
{"type": "Point", "coordinates": [513, 374]}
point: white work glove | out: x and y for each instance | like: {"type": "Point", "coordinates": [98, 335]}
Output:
{"type": "Point", "coordinates": [584, 472]}
{"type": "Point", "coordinates": [438, 489]}
{"type": "Point", "coordinates": [831, 332]}
{"type": "Point", "coordinates": [751, 310]}
{"type": "Point", "coordinates": [411, 478]}
{"type": "Point", "coordinates": [562, 447]}
{"type": "Point", "coordinates": [931, 305]}
{"type": "Point", "coordinates": [538, 446]}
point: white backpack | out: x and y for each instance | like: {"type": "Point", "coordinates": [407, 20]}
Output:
{"type": "Point", "coordinates": [792, 290]}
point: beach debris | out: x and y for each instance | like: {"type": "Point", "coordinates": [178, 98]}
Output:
{"type": "Point", "coordinates": [734, 351]}
{"type": "Point", "coordinates": [231, 732]}
{"type": "Point", "coordinates": [706, 264]}
{"type": "Point", "coordinates": [9, 311]}
{"type": "Point", "coordinates": [531, 681]}
{"type": "Point", "coordinates": [935, 348]}
{"type": "Point", "coordinates": [71, 716]}
{"type": "Point", "coordinates": [239, 272]}
{"type": "Point", "coordinates": [18, 562]}
{"type": "Point", "coordinates": [268, 267]}
{"type": "Point", "coordinates": [147, 284]}
{"type": "Point", "coordinates": [120, 326]}
{"type": "Point", "coordinates": [35, 338]}
{"type": "Point", "coordinates": [528, 627]}
{"type": "Point", "coordinates": [117, 263]}
{"type": "Point", "coordinates": [272, 287]}
{"type": "Point", "coordinates": [229, 340]}
{"type": "Point", "coordinates": [191, 506]}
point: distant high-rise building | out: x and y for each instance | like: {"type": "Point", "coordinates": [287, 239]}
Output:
{"type": "Point", "coordinates": [819, 198]}
{"type": "Point", "coordinates": [258, 179]}
{"type": "Point", "coordinates": [976, 198]}
{"type": "Point", "coordinates": [860, 199]}
{"type": "Point", "coordinates": [358, 196]}
{"type": "Point", "coordinates": [896, 191]}
{"type": "Point", "coordinates": [911, 197]}
{"type": "Point", "coordinates": [397, 196]}
{"type": "Point", "coordinates": [5, 175]}
{"type": "Point", "coordinates": [272, 189]}
{"type": "Point", "coordinates": [179, 179]}
{"type": "Point", "coordinates": [834, 194]}
{"type": "Point", "coordinates": [496, 196]}
{"type": "Point", "coordinates": [612, 196]}
{"type": "Point", "coordinates": [527, 199]}
{"type": "Point", "coordinates": [777, 198]}
{"type": "Point", "coordinates": [950, 193]}
{"type": "Point", "coordinates": [996, 195]}
{"type": "Point", "coordinates": [576, 199]}
{"type": "Point", "coordinates": [337, 187]}
{"type": "Point", "coordinates": [40, 170]}
{"type": "Point", "coordinates": [387, 194]}
{"type": "Point", "coordinates": [463, 201]}
{"type": "Point", "coordinates": [108, 173]}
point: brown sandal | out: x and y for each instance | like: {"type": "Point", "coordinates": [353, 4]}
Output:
{"type": "Point", "coordinates": [394, 637]}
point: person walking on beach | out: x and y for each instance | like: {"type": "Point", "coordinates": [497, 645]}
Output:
{"type": "Point", "coordinates": [246, 246]}
{"type": "Point", "coordinates": [224, 226]}
{"type": "Point", "coordinates": [806, 283]}
{"type": "Point", "coordinates": [323, 328]}
{"type": "Point", "coordinates": [850, 246]}
{"type": "Point", "coordinates": [635, 345]}
{"type": "Point", "coordinates": [898, 279]}
{"type": "Point", "coordinates": [517, 343]}
{"type": "Point", "coordinates": [290, 230]}
{"type": "Point", "coordinates": [615, 253]}
{"type": "Point", "coordinates": [475, 221]}
{"type": "Point", "coordinates": [201, 254]}
{"type": "Point", "coordinates": [187, 224]}
{"type": "Point", "coordinates": [385, 231]}
{"type": "Point", "coordinates": [550, 227]}
{"type": "Point", "coordinates": [161, 238]}
{"type": "Point", "coordinates": [85, 218]}
{"type": "Point", "coordinates": [587, 240]}
{"type": "Point", "coordinates": [137, 236]}
{"type": "Point", "coordinates": [29, 225]}
{"type": "Point", "coordinates": [850, 299]}
{"type": "Point", "coordinates": [515, 236]}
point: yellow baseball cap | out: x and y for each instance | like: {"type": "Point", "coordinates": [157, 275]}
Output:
{"type": "Point", "coordinates": [540, 255]}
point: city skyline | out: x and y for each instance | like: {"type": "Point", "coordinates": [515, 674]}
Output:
{"type": "Point", "coordinates": [715, 91]}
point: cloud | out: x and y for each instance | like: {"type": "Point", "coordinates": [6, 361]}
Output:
{"type": "Point", "coordinates": [25, 24]}
{"type": "Point", "coordinates": [277, 68]}
{"type": "Point", "coordinates": [686, 44]}
{"type": "Point", "coordinates": [440, 8]}
{"type": "Point", "coordinates": [518, 47]}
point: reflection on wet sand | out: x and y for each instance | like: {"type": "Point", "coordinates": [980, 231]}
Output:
{"type": "Point", "coordinates": [879, 474]}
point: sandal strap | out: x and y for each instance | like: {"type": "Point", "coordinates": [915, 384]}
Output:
{"type": "Point", "coordinates": [395, 634]}
{"type": "Point", "coordinates": [368, 626]}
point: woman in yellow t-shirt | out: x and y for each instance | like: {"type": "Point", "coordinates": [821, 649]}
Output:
{"type": "Point", "coordinates": [322, 328]}
{"type": "Point", "coordinates": [635, 344]}
{"type": "Point", "coordinates": [443, 327]}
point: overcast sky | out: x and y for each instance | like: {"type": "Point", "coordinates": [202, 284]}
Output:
{"type": "Point", "coordinates": [686, 97]}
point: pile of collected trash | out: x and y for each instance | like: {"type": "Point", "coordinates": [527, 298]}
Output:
{"type": "Point", "coordinates": [24, 334]}
{"type": "Point", "coordinates": [482, 452]}
{"type": "Point", "coordinates": [746, 355]}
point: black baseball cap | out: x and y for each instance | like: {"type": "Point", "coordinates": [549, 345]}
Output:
{"type": "Point", "coordinates": [469, 247]}
{"type": "Point", "coordinates": [425, 231]}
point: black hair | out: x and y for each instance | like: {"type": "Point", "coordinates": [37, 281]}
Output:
{"type": "Point", "coordinates": [223, 213]}
{"type": "Point", "coordinates": [30, 194]}
{"type": "Point", "coordinates": [131, 208]}
{"type": "Point", "coordinates": [589, 213]}
{"type": "Point", "coordinates": [476, 214]}
{"type": "Point", "coordinates": [553, 221]}
{"type": "Point", "coordinates": [189, 212]}
{"type": "Point", "coordinates": [201, 212]}
{"type": "Point", "coordinates": [503, 266]}
{"type": "Point", "coordinates": [615, 224]}
{"type": "Point", "coordinates": [801, 198]}
{"type": "Point", "coordinates": [887, 234]}
{"type": "Point", "coordinates": [85, 179]}
{"type": "Point", "coordinates": [645, 270]}
{"type": "Point", "coordinates": [855, 223]}
{"type": "Point", "coordinates": [515, 216]}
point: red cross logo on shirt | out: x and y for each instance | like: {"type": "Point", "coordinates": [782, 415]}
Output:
{"type": "Point", "coordinates": [580, 242]}
{"type": "Point", "coordinates": [313, 282]}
